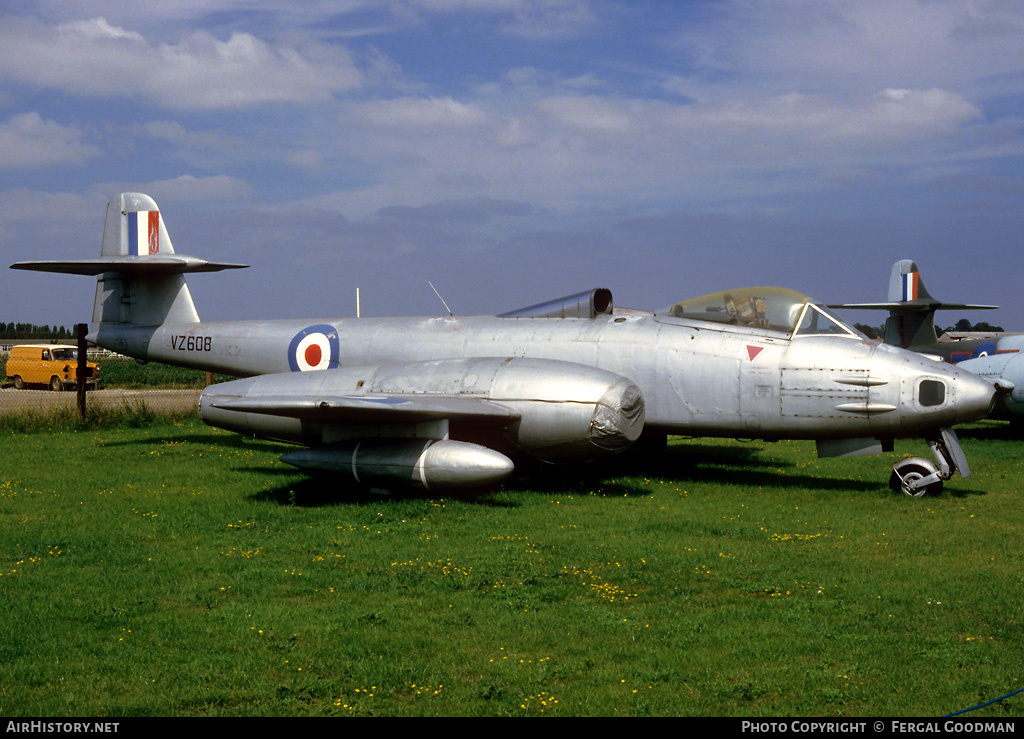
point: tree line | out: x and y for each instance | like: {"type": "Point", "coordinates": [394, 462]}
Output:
{"type": "Point", "coordinates": [981, 326]}
{"type": "Point", "coordinates": [963, 325]}
{"type": "Point", "coordinates": [32, 331]}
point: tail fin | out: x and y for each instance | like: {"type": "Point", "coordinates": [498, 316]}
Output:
{"type": "Point", "coordinates": [906, 285]}
{"type": "Point", "coordinates": [134, 228]}
{"type": "Point", "coordinates": [911, 307]}
{"type": "Point", "coordinates": [912, 319]}
{"type": "Point", "coordinates": [140, 279]}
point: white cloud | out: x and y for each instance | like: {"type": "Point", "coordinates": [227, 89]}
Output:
{"type": "Point", "coordinates": [535, 19]}
{"type": "Point", "coordinates": [568, 150]}
{"type": "Point", "coordinates": [923, 110]}
{"type": "Point", "coordinates": [419, 113]}
{"type": "Point", "coordinates": [761, 97]}
{"type": "Point", "coordinates": [162, 130]}
{"type": "Point", "coordinates": [21, 204]}
{"type": "Point", "coordinates": [887, 116]}
{"type": "Point", "coordinates": [28, 140]}
{"type": "Point", "coordinates": [589, 113]}
{"type": "Point", "coordinates": [94, 57]}
{"type": "Point", "coordinates": [551, 19]}
{"type": "Point", "coordinates": [529, 19]}
{"type": "Point", "coordinates": [98, 29]}
{"type": "Point", "coordinates": [190, 188]}
{"type": "Point", "coordinates": [856, 46]}
{"type": "Point", "coordinates": [309, 159]}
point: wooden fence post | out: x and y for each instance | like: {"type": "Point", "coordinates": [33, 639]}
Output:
{"type": "Point", "coordinates": [81, 330]}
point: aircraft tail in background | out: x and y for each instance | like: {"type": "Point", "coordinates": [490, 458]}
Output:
{"type": "Point", "coordinates": [140, 279]}
{"type": "Point", "coordinates": [911, 307]}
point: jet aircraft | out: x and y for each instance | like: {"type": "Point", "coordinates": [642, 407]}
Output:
{"type": "Point", "coordinates": [911, 325]}
{"type": "Point", "coordinates": [453, 403]}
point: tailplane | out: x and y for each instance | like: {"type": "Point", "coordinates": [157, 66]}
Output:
{"type": "Point", "coordinates": [140, 279]}
{"type": "Point", "coordinates": [911, 308]}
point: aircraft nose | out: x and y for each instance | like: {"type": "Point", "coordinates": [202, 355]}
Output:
{"type": "Point", "coordinates": [934, 394]}
{"type": "Point", "coordinates": [975, 396]}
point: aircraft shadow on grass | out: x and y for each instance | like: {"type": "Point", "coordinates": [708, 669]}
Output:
{"type": "Point", "coordinates": [233, 441]}
{"type": "Point", "coordinates": [993, 431]}
{"type": "Point", "coordinates": [630, 474]}
{"type": "Point", "coordinates": [626, 475]}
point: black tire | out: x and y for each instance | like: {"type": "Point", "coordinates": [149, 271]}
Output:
{"type": "Point", "coordinates": [19, 384]}
{"type": "Point", "coordinates": [913, 471]}
{"type": "Point", "coordinates": [55, 384]}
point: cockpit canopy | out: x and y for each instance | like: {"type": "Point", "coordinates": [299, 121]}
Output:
{"type": "Point", "coordinates": [770, 308]}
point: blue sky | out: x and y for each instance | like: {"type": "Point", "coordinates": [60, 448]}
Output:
{"type": "Point", "coordinates": [511, 151]}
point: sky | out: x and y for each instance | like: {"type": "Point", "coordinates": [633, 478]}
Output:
{"type": "Point", "coordinates": [514, 151]}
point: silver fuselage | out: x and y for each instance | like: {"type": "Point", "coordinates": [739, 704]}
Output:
{"type": "Point", "coordinates": [697, 378]}
{"type": "Point", "coordinates": [447, 403]}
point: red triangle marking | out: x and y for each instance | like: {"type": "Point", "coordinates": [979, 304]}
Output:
{"type": "Point", "coordinates": [753, 351]}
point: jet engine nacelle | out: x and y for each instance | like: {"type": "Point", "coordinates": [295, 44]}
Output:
{"type": "Point", "coordinates": [550, 410]}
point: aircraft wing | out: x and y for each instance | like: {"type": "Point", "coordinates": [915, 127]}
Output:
{"type": "Point", "coordinates": [150, 264]}
{"type": "Point", "coordinates": [379, 409]}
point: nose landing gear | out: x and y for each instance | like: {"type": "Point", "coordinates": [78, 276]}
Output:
{"type": "Point", "coordinates": [918, 477]}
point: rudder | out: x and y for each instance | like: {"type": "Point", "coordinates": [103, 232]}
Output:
{"type": "Point", "coordinates": [133, 227]}
{"type": "Point", "coordinates": [905, 283]}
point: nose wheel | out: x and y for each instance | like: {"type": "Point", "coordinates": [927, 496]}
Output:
{"type": "Point", "coordinates": [911, 477]}
{"type": "Point", "coordinates": [918, 477]}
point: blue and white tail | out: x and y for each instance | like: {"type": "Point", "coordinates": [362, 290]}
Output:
{"type": "Point", "coordinates": [140, 279]}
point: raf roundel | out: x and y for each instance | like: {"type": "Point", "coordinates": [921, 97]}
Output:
{"type": "Point", "coordinates": [314, 348]}
{"type": "Point", "coordinates": [984, 350]}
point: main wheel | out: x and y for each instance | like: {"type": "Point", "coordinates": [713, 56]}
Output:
{"type": "Point", "coordinates": [55, 384]}
{"type": "Point", "coordinates": [19, 384]}
{"type": "Point", "coordinates": [909, 471]}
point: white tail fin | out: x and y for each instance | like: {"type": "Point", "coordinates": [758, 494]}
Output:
{"type": "Point", "coordinates": [140, 280]}
{"type": "Point", "coordinates": [905, 283]}
{"type": "Point", "coordinates": [134, 228]}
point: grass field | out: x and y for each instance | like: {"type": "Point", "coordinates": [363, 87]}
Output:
{"type": "Point", "coordinates": [178, 570]}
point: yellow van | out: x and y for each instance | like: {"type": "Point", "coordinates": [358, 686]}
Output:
{"type": "Point", "coordinates": [55, 365]}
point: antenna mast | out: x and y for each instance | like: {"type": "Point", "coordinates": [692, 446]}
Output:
{"type": "Point", "coordinates": [450, 314]}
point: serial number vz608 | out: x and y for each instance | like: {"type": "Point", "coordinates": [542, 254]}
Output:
{"type": "Point", "coordinates": [192, 343]}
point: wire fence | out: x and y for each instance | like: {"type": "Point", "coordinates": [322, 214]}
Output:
{"type": "Point", "coordinates": [40, 377]}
